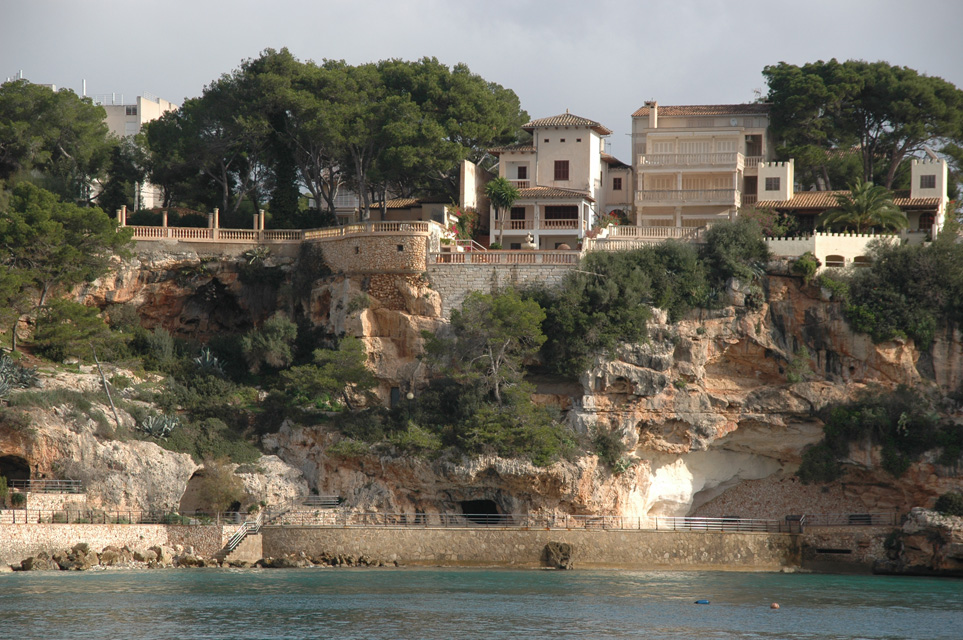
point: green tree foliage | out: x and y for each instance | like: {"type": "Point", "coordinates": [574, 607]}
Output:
{"type": "Point", "coordinates": [491, 337]}
{"type": "Point", "coordinates": [47, 245]}
{"type": "Point", "coordinates": [219, 487]}
{"type": "Point", "coordinates": [908, 291]}
{"type": "Point", "coordinates": [887, 113]}
{"type": "Point", "coordinates": [56, 133]}
{"type": "Point", "coordinates": [66, 328]}
{"type": "Point", "coordinates": [865, 207]}
{"type": "Point", "coordinates": [734, 250]}
{"type": "Point", "coordinates": [271, 345]}
{"type": "Point", "coordinates": [902, 422]}
{"type": "Point", "coordinates": [502, 194]}
{"type": "Point", "coordinates": [394, 126]}
{"type": "Point", "coordinates": [125, 171]}
{"type": "Point", "coordinates": [950, 504]}
{"type": "Point", "coordinates": [334, 373]}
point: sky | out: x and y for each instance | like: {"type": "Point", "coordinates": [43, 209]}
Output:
{"type": "Point", "coordinates": [600, 60]}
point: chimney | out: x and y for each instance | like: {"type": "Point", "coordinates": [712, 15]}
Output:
{"type": "Point", "coordinates": [653, 114]}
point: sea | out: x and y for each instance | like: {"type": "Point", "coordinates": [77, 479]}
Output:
{"type": "Point", "coordinates": [430, 604]}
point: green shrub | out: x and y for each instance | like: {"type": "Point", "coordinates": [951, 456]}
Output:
{"type": "Point", "coordinates": [610, 448]}
{"type": "Point", "coordinates": [347, 448]}
{"type": "Point", "coordinates": [18, 499]}
{"type": "Point", "coordinates": [416, 440]}
{"type": "Point", "coordinates": [211, 438]}
{"type": "Point", "coordinates": [271, 344]}
{"type": "Point", "coordinates": [798, 370]}
{"type": "Point", "coordinates": [4, 490]}
{"type": "Point", "coordinates": [735, 250]}
{"type": "Point", "coordinates": [66, 328]}
{"type": "Point", "coordinates": [950, 504]}
{"type": "Point", "coordinates": [806, 266]}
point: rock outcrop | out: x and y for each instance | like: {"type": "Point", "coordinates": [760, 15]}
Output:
{"type": "Point", "coordinates": [927, 544]}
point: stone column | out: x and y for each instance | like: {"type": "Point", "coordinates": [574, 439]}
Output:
{"type": "Point", "coordinates": [217, 218]}
{"type": "Point", "coordinates": [260, 224]}
{"type": "Point", "coordinates": [123, 213]}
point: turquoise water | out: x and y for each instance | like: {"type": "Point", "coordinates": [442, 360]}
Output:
{"type": "Point", "coordinates": [447, 604]}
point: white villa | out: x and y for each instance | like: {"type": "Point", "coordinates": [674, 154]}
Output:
{"type": "Point", "coordinates": [564, 180]}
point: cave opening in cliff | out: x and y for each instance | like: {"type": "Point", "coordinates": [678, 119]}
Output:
{"type": "Point", "coordinates": [14, 468]}
{"type": "Point", "coordinates": [481, 511]}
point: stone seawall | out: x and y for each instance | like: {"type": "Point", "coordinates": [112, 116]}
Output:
{"type": "Point", "coordinates": [20, 541]}
{"type": "Point", "coordinates": [599, 549]}
{"type": "Point", "coordinates": [455, 281]}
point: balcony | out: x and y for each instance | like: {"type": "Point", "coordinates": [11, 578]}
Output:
{"type": "Point", "coordinates": [527, 225]}
{"type": "Point", "coordinates": [727, 197]}
{"type": "Point", "coordinates": [521, 184]}
{"type": "Point", "coordinates": [731, 160]}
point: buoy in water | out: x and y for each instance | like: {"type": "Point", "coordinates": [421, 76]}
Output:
{"type": "Point", "coordinates": [774, 605]}
{"type": "Point", "coordinates": [702, 602]}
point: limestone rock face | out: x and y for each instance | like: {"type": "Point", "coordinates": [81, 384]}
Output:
{"type": "Point", "coordinates": [272, 480]}
{"type": "Point", "coordinates": [927, 544]}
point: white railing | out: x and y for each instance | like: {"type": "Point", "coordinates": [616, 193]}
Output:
{"type": "Point", "coordinates": [506, 257]}
{"type": "Point", "coordinates": [753, 161]}
{"type": "Point", "coordinates": [194, 234]}
{"type": "Point", "coordinates": [707, 196]}
{"type": "Point", "coordinates": [521, 225]}
{"type": "Point", "coordinates": [731, 158]}
{"type": "Point", "coordinates": [749, 199]}
{"type": "Point", "coordinates": [521, 184]}
{"type": "Point", "coordinates": [559, 224]}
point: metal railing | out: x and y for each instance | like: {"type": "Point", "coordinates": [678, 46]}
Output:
{"type": "Point", "coordinates": [247, 527]}
{"type": "Point", "coordinates": [47, 486]}
{"type": "Point", "coordinates": [850, 519]}
{"type": "Point", "coordinates": [343, 519]}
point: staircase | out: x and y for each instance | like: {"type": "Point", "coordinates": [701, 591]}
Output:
{"type": "Point", "coordinates": [241, 543]}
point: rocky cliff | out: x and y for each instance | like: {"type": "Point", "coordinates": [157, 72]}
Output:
{"type": "Point", "coordinates": [711, 423]}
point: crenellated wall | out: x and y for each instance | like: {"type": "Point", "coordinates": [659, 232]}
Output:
{"type": "Point", "coordinates": [455, 281]}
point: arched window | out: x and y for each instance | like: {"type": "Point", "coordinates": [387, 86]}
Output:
{"type": "Point", "coordinates": [835, 261]}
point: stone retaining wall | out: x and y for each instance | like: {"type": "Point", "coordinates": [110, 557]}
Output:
{"type": "Point", "coordinates": [455, 281]}
{"type": "Point", "coordinates": [599, 549]}
{"type": "Point", "coordinates": [842, 549]}
{"type": "Point", "coordinates": [20, 541]}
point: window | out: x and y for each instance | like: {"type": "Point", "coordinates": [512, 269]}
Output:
{"type": "Point", "coordinates": [928, 182]}
{"type": "Point", "coordinates": [357, 250]}
{"type": "Point", "coordinates": [515, 246]}
{"type": "Point", "coordinates": [578, 139]}
{"type": "Point", "coordinates": [131, 109]}
{"type": "Point", "coordinates": [401, 247]}
{"type": "Point", "coordinates": [772, 184]}
{"type": "Point", "coordinates": [523, 173]}
{"type": "Point", "coordinates": [546, 139]}
{"type": "Point", "coordinates": [518, 213]}
{"type": "Point", "coordinates": [562, 140]}
{"type": "Point", "coordinates": [616, 184]}
{"type": "Point", "coordinates": [561, 169]}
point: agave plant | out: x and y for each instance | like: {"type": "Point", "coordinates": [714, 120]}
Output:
{"type": "Point", "coordinates": [159, 427]}
{"type": "Point", "coordinates": [208, 362]}
{"type": "Point", "coordinates": [15, 376]}
{"type": "Point", "coordinates": [257, 255]}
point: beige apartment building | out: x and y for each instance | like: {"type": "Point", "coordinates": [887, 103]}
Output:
{"type": "Point", "coordinates": [697, 164]}
{"type": "Point", "coordinates": [127, 120]}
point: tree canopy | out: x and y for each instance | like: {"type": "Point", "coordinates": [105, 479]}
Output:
{"type": "Point", "coordinates": [275, 123]}
{"type": "Point", "coordinates": [60, 136]}
{"type": "Point", "coordinates": [881, 113]}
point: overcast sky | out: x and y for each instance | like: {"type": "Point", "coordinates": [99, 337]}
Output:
{"type": "Point", "coordinates": [600, 60]}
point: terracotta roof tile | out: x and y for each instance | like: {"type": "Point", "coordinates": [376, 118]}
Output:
{"type": "Point", "coordinates": [825, 200]}
{"type": "Point", "coordinates": [753, 108]}
{"type": "Point", "coordinates": [613, 162]}
{"type": "Point", "coordinates": [567, 120]}
{"type": "Point", "coordinates": [398, 203]}
{"type": "Point", "coordinates": [552, 192]}
{"type": "Point", "coordinates": [521, 147]}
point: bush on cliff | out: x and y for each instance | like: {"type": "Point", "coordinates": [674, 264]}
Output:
{"type": "Point", "coordinates": [902, 422]}
{"type": "Point", "coordinates": [608, 299]}
{"type": "Point", "coordinates": [950, 504]}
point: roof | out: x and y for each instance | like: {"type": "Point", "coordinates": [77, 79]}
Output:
{"type": "Point", "coordinates": [533, 193]}
{"type": "Point", "coordinates": [519, 147]}
{"type": "Point", "coordinates": [752, 108]}
{"type": "Point", "coordinates": [825, 200]}
{"type": "Point", "coordinates": [567, 120]}
{"type": "Point", "coordinates": [398, 203]}
{"type": "Point", "coordinates": [613, 162]}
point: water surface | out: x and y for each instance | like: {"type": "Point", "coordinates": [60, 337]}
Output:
{"type": "Point", "coordinates": [448, 603]}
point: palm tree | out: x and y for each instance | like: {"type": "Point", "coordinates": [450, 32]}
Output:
{"type": "Point", "coordinates": [865, 206]}
{"type": "Point", "coordinates": [502, 195]}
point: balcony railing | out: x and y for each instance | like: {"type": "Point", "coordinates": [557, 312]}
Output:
{"type": "Point", "coordinates": [753, 161]}
{"type": "Point", "coordinates": [530, 225]}
{"type": "Point", "coordinates": [731, 159]}
{"type": "Point", "coordinates": [507, 257]}
{"type": "Point", "coordinates": [521, 184]}
{"type": "Point", "coordinates": [700, 196]}
{"type": "Point", "coordinates": [749, 199]}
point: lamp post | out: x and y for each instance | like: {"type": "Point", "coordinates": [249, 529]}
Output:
{"type": "Point", "coordinates": [410, 398]}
